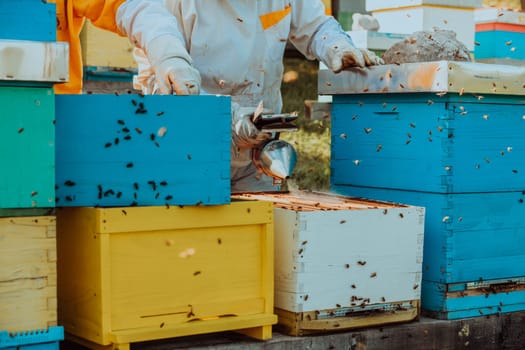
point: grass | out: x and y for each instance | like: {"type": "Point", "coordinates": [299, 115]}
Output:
{"type": "Point", "coordinates": [312, 141]}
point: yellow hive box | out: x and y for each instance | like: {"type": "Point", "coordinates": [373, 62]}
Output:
{"type": "Point", "coordinates": [102, 48]}
{"type": "Point", "coordinates": [28, 295]}
{"type": "Point", "coordinates": [143, 273]}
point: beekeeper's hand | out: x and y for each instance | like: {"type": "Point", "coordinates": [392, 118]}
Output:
{"type": "Point", "coordinates": [244, 133]}
{"type": "Point", "coordinates": [344, 55]}
{"type": "Point", "coordinates": [173, 74]}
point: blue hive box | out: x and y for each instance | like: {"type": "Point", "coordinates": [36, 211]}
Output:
{"type": "Point", "coordinates": [33, 20]}
{"type": "Point", "coordinates": [448, 137]}
{"type": "Point", "coordinates": [499, 34]}
{"type": "Point", "coordinates": [127, 150]}
{"type": "Point", "coordinates": [45, 339]}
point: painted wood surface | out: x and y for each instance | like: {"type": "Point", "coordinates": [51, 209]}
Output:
{"type": "Point", "coordinates": [28, 275]}
{"type": "Point", "coordinates": [28, 20]}
{"type": "Point", "coordinates": [27, 149]}
{"type": "Point", "coordinates": [346, 258]}
{"type": "Point", "coordinates": [324, 321]}
{"type": "Point", "coordinates": [33, 63]}
{"type": "Point", "coordinates": [468, 237]}
{"type": "Point", "coordinates": [335, 251]}
{"type": "Point", "coordinates": [499, 44]}
{"type": "Point", "coordinates": [424, 142]}
{"type": "Point", "coordinates": [102, 48]}
{"type": "Point", "coordinates": [174, 274]}
{"type": "Point", "coordinates": [442, 303]}
{"type": "Point", "coordinates": [126, 150]}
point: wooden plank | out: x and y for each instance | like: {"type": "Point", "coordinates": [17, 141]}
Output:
{"type": "Point", "coordinates": [114, 220]}
{"type": "Point", "coordinates": [27, 273]}
{"type": "Point", "coordinates": [82, 302]}
{"type": "Point", "coordinates": [305, 323]}
{"type": "Point", "coordinates": [34, 63]}
{"type": "Point", "coordinates": [198, 327]}
{"type": "Point", "coordinates": [102, 48]}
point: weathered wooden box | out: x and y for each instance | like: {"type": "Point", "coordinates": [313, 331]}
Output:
{"type": "Point", "coordinates": [27, 149]}
{"type": "Point", "coordinates": [28, 289]}
{"type": "Point", "coordinates": [127, 150]}
{"type": "Point", "coordinates": [343, 263]}
{"type": "Point", "coordinates": [135, 274]}
{"type": "Point", "coordinates": [417, 15]}
{"type": "Point", "coordinates": [499, 35]}
{"type": "Point", "coordinates": [107, 57]}
{"type": "Point", "coordinates": [34, 20]}
{"type": "Point", "coordinates": [446, 137]}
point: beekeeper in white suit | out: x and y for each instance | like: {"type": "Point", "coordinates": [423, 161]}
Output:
{"type": "Point", "coordinates": [236, 47]}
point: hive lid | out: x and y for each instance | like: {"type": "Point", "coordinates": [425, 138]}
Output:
{"type": "Point", "coordinates": [37, 61]}
{"type": "Point", "coordinates": [438, 77]}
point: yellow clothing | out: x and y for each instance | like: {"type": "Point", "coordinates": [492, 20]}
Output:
{"type": "Point", "coordinates": [70, 19]}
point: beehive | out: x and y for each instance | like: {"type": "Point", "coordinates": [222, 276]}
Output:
{"type": "Point", "coordinates": [445, 136]}
{"type": "Point", "coordinates": [417, 15]}
{"type": "Point", "coordinates": [499, 35]}
{"type": "Point", "coordinates": [127, 150]}
{"type": "Point", "coordinates": [28, 292]}
{"type": "Point", "coordinates": [135, 274]}
{"type": "Point", "coordinates": [343, 263]}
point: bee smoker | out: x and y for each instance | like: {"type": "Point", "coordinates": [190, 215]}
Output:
{"type": "Point", "coordinates": [275, 158]}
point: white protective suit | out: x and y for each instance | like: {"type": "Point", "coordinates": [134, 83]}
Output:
{"type": "Point", "coordinates": [238, 46]}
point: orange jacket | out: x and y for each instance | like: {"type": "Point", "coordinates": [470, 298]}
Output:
{"type": "Point", "coordinates": [70, 19]}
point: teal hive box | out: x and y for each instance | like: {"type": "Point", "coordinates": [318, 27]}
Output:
{"type": "Point", "coordinates": [27, 148]}
{"type": "Point", "coordinates": [34, 20]}
{"type": "Point", "coordinates": [446, 136]}
{"type": "Point", "coordinates": [127, 150]}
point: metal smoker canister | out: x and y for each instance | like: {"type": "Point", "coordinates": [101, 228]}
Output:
{"type": "Point", "coordinates": [276, 158]}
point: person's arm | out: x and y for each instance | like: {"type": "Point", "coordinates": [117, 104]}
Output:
{"type": "Point", "coordinates": [151, 27]}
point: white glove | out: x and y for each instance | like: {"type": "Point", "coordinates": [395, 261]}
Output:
{"type": "Point", "coordinates": [244, 133]}
{"type": "Point", "coordinates": [173, 74]}
{"type": "Point", "coordinates": [335, 48]}
{"type": "Point", "coordinates": [344, 55]}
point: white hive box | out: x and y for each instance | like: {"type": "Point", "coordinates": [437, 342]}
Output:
{"type": "Point", "coordinates": [343, 262]}
{"type": "Point", "coordinates": [409, 16]}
